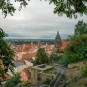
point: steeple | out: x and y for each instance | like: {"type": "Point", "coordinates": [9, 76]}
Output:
{"type": "Point", "coordinates": [57, 41]}
{"type": "Point", "coordinates": [58, 35]}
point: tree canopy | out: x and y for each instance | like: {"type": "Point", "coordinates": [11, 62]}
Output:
{"type": "Point", "coordinates": [68, 7]}
{"type": "Point", "coordinates": [6, 55]}
{"type": "Point", "coordinates": [7, 6]}
{"type": "Point", "coordinates": [76, 49]}
{"type": "Point", "coordinates": [80, 28]}
{"type": "Point", "coordinates": [13, 81]}
{"type": "Point", "coordinates": [84, 70]}
{"type": "Point", "coordinates": [41, 57]}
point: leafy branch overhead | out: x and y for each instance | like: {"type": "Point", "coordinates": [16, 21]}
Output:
{"type": "Point", "coordinates": [81, 28]}
{"type": "Point", "coordinates": [8, 7]}
{"type": "Point", "coordinates": [71, 8]}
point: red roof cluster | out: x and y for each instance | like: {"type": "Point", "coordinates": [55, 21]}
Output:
{"type": "Point", "coordinates": [29, 55]}
{"type": "Point", "coordinates": [25, 74]}
{"type": "Point", "coordinates": [64, 43]}
{"type": "Point", "coordinates": [30, 50]}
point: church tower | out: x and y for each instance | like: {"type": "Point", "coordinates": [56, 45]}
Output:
{"type": "Point", "coordinates": [57, 41]}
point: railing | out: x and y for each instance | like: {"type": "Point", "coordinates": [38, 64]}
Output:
{"type": "Point", "coordinates": [57, 83]}
{"type": "Point", "coordinates": [54, 80]}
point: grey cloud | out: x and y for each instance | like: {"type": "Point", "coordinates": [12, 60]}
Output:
{"type": "Point", "coordinates": [37, 20]}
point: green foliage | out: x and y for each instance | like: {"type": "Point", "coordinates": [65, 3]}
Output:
{"type": "Point", "coordinates": [41, 57]}
{"type": "Point", "coordinates": [26, 84]}
{"type": "Point", "coordinates": [6, 55]}
{"type": "Point", "coordinates": [48, 81]}
{"type": "Point", "coordinates": [80, 28]}
{"type": "Point", "coordinates": [60, 51]}
{"type": "Point", "coordinates": [29, 41]}
{"type": "Point", "coordinates": [70, 7]}
{"type": "Point", "coordinates": [7, 6]}
{"type": "Point", "coordinates": [84, 71]}
{"type": "Point", "coordinates": [54, 58]}
{"type": "Point", "coordinates": [13, 81]}
{"type": "Point", "coordinates": [76, 50]}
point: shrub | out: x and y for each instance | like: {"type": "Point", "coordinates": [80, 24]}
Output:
{"type": "Point", "coordinates": [84, 71]}
{"type": "Point", "coordinates": [76, 50]}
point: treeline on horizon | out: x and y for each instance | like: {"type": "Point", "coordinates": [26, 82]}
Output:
{"type": "Point", "coordinates": [29, 41]}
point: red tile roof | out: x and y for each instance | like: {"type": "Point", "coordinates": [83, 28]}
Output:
{"type": "Point", "coordinates": [25, 47]}
{"type": "Point", "coordinates": [64, 43]}
{"type": "Point", "coordinates": [25, 74]}
{"type": "Point", "coordinates": [29, 55]}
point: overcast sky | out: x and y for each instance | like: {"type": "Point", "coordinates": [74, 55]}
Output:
{"type": "Point", "coordinates": [37, 20]}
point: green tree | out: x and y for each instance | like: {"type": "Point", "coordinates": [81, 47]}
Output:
{"type": "Point", "coordinates": [80, 28]}
{"type": "Point", "coordinates": [76, 49]}
{"type": "Point", "coordinates": [16, 82]}
{"type": "Point", "coordinates": [13, 81]}
{"type": "Point", "coordinates": [84, 71]}
{"type": "Point", "coordinates": [41, 57]}
{"type": "Point", "coordinates": [7, 6]}
{"type": "Point", "coordinates": [68, 7]}
{"type": "Point", "coordinates": [6, 55]}
{"type": "Point", "coordinates": [26, 84]}
{"type": "Point", "coordinates": [53, 58]}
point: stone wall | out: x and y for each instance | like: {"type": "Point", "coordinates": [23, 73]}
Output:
{"type": "Point", "coordinates": [74, 69]}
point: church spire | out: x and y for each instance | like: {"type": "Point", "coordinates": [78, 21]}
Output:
{"type": "Point", "coordinates": [57, 41]}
